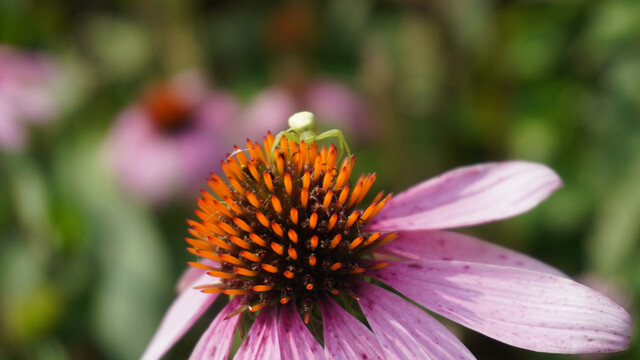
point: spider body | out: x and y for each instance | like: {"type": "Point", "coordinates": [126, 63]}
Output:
{"type": "Point", "coordinates": [303, 127]}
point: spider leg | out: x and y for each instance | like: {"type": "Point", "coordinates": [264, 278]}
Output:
{"type": "Point", "coordinates": [293, 136]}
{"type": "Point", "coordinates": [276, 141]}
{"type": "Point", "coordinates": [338, 135]}
{"type": "Point", "coordinates": [290, 134]}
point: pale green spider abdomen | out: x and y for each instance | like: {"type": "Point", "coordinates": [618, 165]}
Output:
{"type": "Point", "coordinates": [302, 121]}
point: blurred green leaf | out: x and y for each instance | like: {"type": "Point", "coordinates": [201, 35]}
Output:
{"type": "Point", "coordinates": [133, 266]}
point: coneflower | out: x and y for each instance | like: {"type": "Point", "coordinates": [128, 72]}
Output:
{"type": "Point", "coordinates": [166, 142]}
{"type": "Point", "coordinates": [27, 94]}
{"type": "Point", "coordinates": [292, 242]}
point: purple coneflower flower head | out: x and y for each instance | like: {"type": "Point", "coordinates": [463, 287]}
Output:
{"type": "Point", "coordinates": [332, 102]}
{"type": "Point", "coordinates": [290, 238]}
{"type": "Point", "coordinates": [167, 142]}
{"type": "Point", "coordinates": [26, 94]}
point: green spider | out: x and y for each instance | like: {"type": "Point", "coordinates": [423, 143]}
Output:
{"type": "Point", "coordinates": [302, 126]}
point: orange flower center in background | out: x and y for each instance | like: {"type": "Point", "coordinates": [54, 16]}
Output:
{"type": "Point", "coordinates": [288, 231]}
{"type": "Point", "coordinates": [167, 109]}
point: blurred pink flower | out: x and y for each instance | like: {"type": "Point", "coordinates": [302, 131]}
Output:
{"type": "Point", "coordinates": [168, 141]}
{"type": "Point", "coordinates": [334, 104]}
{"type": "Point", "coordinates": [284, 247]}
{"type": "Point", "coordinates": [26, 94]}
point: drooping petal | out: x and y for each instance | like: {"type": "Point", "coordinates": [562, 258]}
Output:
{"type": "Point", "coordinates": [406, 331]}
{"type": "Point", "coordinates": [524, 308]}
{"type": "Point", "coordinates": [184, 311]}
{"type": "Point", "coordinates": [190, 274]}
{"type": "Point", "coordinates": [444, 245]}
{"type": "Point", "coordinates": [215, 343]}
{"type": "Point", "coordinates": [296, 341]}
{"type": "Point", "coordinates": [345, 337]}
{"type": "Point", "coordinates": [262, 341]}
{"type": "Point", "coordinates": [468, 196]}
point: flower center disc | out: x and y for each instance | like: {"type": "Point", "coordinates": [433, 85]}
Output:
{"type": "Point", "coordinates": [287, 228]}
{"type": "Point", "coordinates": [168, 111]}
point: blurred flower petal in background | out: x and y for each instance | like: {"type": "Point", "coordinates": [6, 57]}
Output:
{"type": "Point", "coordinates": [26, 94]}
{"type": "Point", "coordinates": [170, 139]}
{"type": "Point", "coordinates": [333, 103]}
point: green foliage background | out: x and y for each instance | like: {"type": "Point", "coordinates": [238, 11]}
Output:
{"type": "Point", "coordinates": [87, 273]}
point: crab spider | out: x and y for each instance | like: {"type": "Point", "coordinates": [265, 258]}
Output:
{"type": "Point", "coordinates": [302, 126]}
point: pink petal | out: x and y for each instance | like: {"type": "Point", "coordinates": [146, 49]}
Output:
{"type": "Point", "coordinates": [406, 331]}
{"type": "Point", "coordinates": [262, 341]}
{"type": "Point", "coordinates": [13, 134]}
{"type": "Point", "coordinates": [184, 311]}
{"type": "Point", "coordinates": [190, 275]}
{"type": "Point", "coordinates": [198, 151]}
{"type": "Point", "coordinates": [468, 196]}
{"type": "Point", "coordinates": [268, 111]}
{"type": "Point", "coordinates": [145, 162]}
{"type": "Point", "coordinates": [345, 337]}
{"type": "Point", "coordinates": [523, 308]}
{"type": "Point", "coordinates": [296, 341]}
{"type": "Point", "coordinates": [443, 245]}
{"type": "Point", "coordinates": [335, 104]}
{"type": "Point", "coordinates": [216, 341]}
{"type": "Point", "coordinates": [26, 83]}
